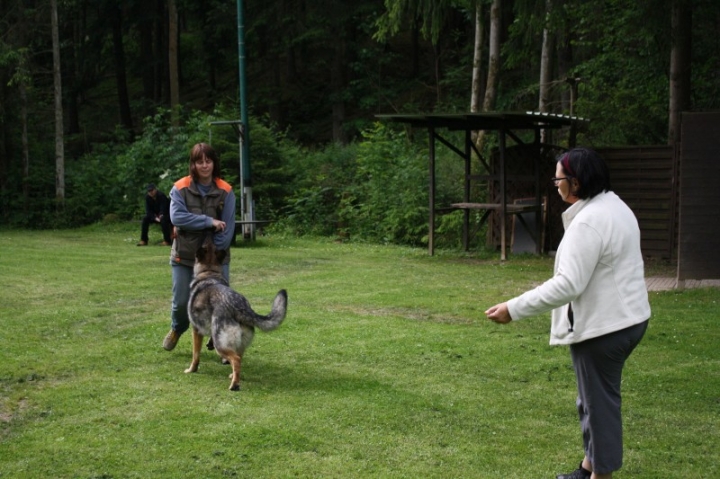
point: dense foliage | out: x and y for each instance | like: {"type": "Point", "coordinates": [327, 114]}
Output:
{"type": "Point", "coordinates": [317, 73]}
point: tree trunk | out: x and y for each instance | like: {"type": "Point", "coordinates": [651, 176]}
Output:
{"type": "Point", "coordinates": [160, 54]}
{"type": "Point", "coordinates": [173, 62]}
{"type": "Point", "coordinates": [493, 65]}
{"type": "Point", "coordinates": [564, 65]}
{"type": "Point", "coordinates": [437, 72]}
{"type": "Point", "coordinates": [59, 139]}
{"type": "Point", "coordinates": [477, 61]}
{"type": "Point", "coordinates": [72, 106]}
{"type": "Point", "coordinates": [145, 28]}
{"type": "Point", "coordinates": [680, 67]}
{"type": "Point", "coordinates": [120, 73]}
{"type": "Point", "coordinates": [25, 147]}
{"type": "Point", "coordinates": [546, 69]}
{"type": "Point", "coordinates": [415, 35]}
{"type": "Point", "coordinates": [494, 59]}
{"type": "Point", "coordinates": [4, 125]}
{"type": "Point", "coordinates": [5, 131]}
{"type": "Point", "coordinates": [338, 82]}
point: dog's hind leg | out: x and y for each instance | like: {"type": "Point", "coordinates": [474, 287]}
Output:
{"type": "Point", "coordinates": [235, 360]}
{"type": "Point", "coordinates": [197, 346]}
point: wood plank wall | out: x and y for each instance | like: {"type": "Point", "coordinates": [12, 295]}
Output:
{"type": "Point", "coordinates": [699, 239]}
{"type": "Point", "coordinates": [645, 178]}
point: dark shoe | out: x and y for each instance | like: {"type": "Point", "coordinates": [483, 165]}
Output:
{"type": "Point", "coordinates": [142, 243]}
{"type": "Point", "coordinates": [171, 340]}
{"type": "Point", "coordinates": [578, 473]}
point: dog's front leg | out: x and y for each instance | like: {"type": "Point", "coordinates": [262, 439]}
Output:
{"type": "Point", "coordinates": [197, 346]}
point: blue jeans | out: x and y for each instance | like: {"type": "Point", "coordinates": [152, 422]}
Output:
{"type": "Point", "coordinates": [181, 278]}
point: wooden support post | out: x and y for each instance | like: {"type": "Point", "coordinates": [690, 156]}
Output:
{"type": "Point", "coordinates": [503, 199]}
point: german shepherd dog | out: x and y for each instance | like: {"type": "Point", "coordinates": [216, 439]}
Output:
{"type": "Point", "coordinates": [216, 310]}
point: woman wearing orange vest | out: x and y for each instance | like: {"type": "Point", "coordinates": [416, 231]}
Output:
{"type": "Point", "coordinates": [200, 204]}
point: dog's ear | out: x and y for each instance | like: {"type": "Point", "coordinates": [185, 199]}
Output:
{"type": "Point", "coordinates": [220, 255]}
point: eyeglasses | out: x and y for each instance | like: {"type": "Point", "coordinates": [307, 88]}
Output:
{"type": "Point", "coordinates": [555, 180]}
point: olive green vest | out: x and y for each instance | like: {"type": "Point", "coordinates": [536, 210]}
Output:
{"type": "Point", "coordinates": [187, 242]}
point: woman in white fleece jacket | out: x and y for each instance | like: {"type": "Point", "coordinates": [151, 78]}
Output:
{"type": "Point", "coordinates": [598, 299]}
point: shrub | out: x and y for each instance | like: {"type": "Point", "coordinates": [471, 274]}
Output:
{"type": "Point", "coordinates": [319, 182]}
{"type": "Point", "coordinates": [388, 199]}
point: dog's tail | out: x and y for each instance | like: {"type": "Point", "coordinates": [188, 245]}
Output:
{"type": "Point", "coordinates": [277, 313]}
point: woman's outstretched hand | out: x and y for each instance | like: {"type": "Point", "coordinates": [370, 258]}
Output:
{"type": "Point", "coordinates": [499, 313]}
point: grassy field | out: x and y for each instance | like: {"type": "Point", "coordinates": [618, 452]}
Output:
{"type": "Point", "coordinates": [385, 367]}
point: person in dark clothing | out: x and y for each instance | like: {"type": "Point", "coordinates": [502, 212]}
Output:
{"type": "Point", "coordinates": [157, 210]}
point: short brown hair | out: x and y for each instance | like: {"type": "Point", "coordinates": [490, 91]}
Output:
{"type": "Point", "coordinates": [200, 151]}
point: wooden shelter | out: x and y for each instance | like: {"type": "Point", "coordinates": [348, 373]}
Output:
{"type": "Point", "coordinates": [522, 162]}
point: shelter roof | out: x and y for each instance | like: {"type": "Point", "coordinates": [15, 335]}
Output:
{"type": "Point", "coordinates": [485, 121]}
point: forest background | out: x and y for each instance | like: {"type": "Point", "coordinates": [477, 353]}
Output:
{"type": "Point", "coordinates": [99, 97]}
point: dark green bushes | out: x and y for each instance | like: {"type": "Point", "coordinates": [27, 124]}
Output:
{"type": "Point", "coordinates": [374, 190]}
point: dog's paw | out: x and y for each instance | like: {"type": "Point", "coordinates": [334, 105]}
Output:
{"type": "Point", "coordinates": [190, 370]}
{"type": "Point", "coordinates": [235, 387]}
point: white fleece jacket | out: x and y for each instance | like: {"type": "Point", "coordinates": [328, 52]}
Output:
{"type": "Point", "coordinates": [599, 268]}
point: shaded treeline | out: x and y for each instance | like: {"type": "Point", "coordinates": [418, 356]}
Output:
{"type": "Point", "coordinates": [317, 71]}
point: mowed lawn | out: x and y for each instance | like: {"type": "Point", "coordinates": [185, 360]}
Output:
{"type": "Point", "coordinates": [385, 367]}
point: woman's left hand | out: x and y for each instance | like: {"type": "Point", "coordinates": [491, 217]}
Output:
{"type": "Point", "coordinates": [499, 313]}
{"type": "Point", "coordinates": [218, 225]}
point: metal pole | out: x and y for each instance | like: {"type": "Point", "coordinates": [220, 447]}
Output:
{"type": "Point", "coordinates": [242, 176]}
{"type": "Point", "coordinates": [503, 199]}
{"type": "Point", "coordinates": [245, 174]}
{"type": "Point", "coordinates": [431, 161]}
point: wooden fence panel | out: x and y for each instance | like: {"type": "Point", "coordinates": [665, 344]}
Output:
{"type": "Point", "coordinates": [644, 177]}
{"type": "Point", "coordinates": [699, 238]}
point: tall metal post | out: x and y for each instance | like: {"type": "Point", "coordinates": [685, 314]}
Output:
{"type": "Point", "coordinates": [431, 193]}
{"type": "Point", "coordinates": [503, 198]}
{"type": "Point", "coordinates": [246, 202]}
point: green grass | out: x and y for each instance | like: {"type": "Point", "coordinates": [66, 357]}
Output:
{"type": "Point", "coordinates": [384, 367]}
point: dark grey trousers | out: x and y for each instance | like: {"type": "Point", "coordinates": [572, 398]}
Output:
{"type": "Point", "coordinates": [598, 364]}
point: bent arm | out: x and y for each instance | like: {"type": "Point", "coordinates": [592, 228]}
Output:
{"type": "Point", "coordinates": [182, 218]}
{"type": "Point", "coordinates": [577, 259]}
{"type": "Point", "coordinates": [224, 237]}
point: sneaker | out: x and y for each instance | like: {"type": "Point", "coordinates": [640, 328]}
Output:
{"type": "Point", "coordinates": [579, 473]}
{"type": "Point", "coordinates": [142, 243]}
{"type": "Point", "coordinates": [171, 340]}
{"type": "Point", "coordinates": [165, 243]}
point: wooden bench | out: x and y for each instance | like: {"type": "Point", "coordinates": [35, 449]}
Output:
{"type": "Point", "coordinates": [516, 208]}
{"type": "Point", "coordinates": [510, 208]}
